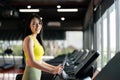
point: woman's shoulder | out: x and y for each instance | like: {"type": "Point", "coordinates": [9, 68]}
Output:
{"type": "Point", "coordinates": [27, 38]}
{"type": "Point", "coordinates": [27, 42]}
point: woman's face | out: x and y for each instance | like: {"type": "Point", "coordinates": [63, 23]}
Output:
{"type": "Point", "coordinates": [35, 26]}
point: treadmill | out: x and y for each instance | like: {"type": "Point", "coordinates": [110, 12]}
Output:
{"type": "Point", "coordinates": [84, 65]}
{"type": "Point", "coordinates": [7, 65]}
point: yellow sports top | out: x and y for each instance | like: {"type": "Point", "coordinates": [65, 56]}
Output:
{"type": "Point", "coordinates": [38, 49]}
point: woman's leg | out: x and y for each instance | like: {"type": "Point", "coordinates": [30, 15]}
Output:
{"type": "Point", "coordinates": [31, 73]}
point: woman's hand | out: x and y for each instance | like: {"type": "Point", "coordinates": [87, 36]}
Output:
{"type": "Point", "coordinates": [58, 69]}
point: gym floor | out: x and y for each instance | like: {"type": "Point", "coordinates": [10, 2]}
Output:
{"type": "Point", "coordinates": [10, 74]}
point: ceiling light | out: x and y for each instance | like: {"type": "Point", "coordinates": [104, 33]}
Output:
{"type": "Point", "coordinates": [54, 23]}
{"type": "Point", "coordinates": [41, 18]}
{"type": "Point", "coordinates": [29, 10]}
{"type": "Point", "coordinates": [62, 18]}
{"type": "Point", "coordinates": [11, 12]}
{"type": "Point", "coordinates": [58, 6]}
{"type": "Point", "coordinates": [29, 6]}
{"type": "Point", "coordinates": [67, 10]}
{"type": "Point", "coordinates": [95, 8]}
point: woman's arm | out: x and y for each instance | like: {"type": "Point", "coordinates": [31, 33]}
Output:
{"type": "Point", "coordinates": [28, 48]}
{"type": "Point", "coordinates": [46, 64]}
{"type": "Point", "coordinates": [51, 66]}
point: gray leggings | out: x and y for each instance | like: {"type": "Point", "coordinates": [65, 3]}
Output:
{"type": "Point", "coordinates": [31, 73]}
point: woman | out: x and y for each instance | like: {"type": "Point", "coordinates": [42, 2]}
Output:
{"type": "Point", "coordinates": [33, 50]}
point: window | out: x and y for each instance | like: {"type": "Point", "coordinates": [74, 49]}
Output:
{"type": "Point", "coordinates": [16, 46]}
{"type": "Point", "coordinates": [112, 31]}
{"type": "Point", "coordinates": [57, 47]}
{"type": "Point", "coordinates": [106, 36]}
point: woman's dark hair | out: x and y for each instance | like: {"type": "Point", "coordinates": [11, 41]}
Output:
{"type": "Point", "coordinates": [28, 30]}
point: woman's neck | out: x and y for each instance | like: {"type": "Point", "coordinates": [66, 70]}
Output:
{"type": "Point", "coordinates": [35, 35]}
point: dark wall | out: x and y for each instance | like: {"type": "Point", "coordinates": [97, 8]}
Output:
{"type": "Point", "coordinates": [88, 28]}
{"type": "Point", "coordinates": [91, 18]}
{"type": "Point", "coordinates": [13, 29]}
{"type": "Point", "coordinates": [105, 4]}
{"type": "Point", "coordinates": [88, 36]}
